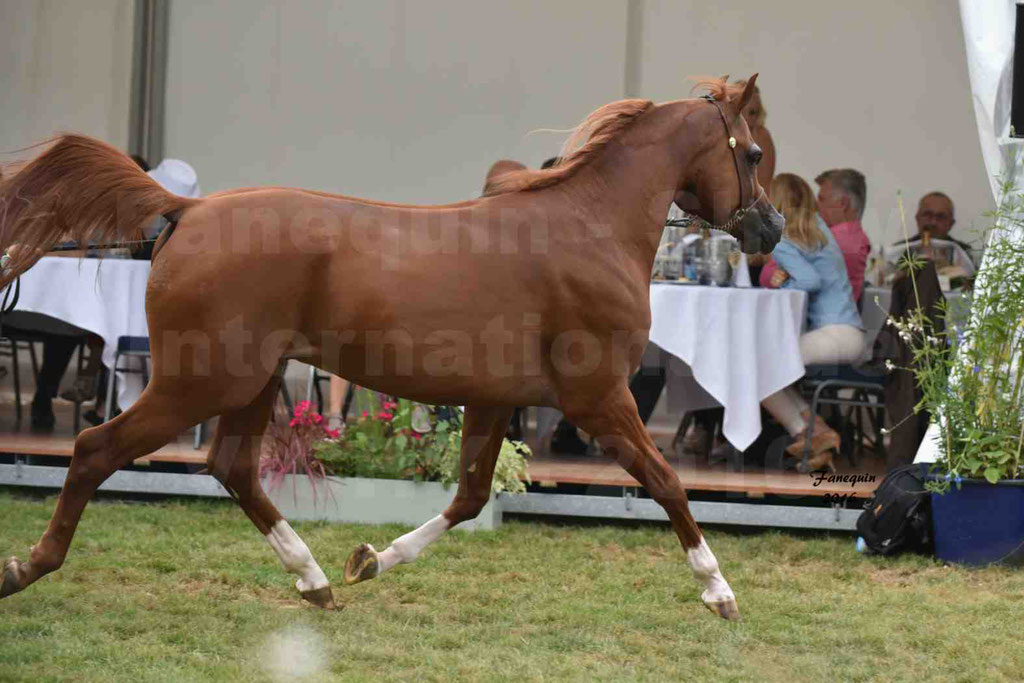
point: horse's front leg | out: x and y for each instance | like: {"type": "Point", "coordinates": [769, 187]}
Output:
{"type": "Point", "coordinates": [234, 461]}
{"type": "Point", "coordinates": [614, 421]}
{"type": "Point", "coordinates": [483, 431]}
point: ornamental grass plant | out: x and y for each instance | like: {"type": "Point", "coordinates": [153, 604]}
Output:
{"type": "Point", "coordinates": [289, 449]}
{"type": "Point", "coordinates": [969, 372]}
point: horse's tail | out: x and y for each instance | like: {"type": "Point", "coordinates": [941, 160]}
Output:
{"type": "Point", "coordinates": [81, 190]}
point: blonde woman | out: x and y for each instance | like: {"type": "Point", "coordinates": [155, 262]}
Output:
{"type": "Point", "coordinates": [809, 259]}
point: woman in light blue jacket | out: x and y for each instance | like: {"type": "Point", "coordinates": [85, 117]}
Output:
{"type": "Point", "coordinates": [808, 258]}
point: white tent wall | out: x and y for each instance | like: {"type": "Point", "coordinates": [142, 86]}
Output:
{"type": "Point", "coordinates": [64, 66]}
{"type": "Point", "coordinates": [873, 85]}
{"type": "Point", "coordinates": [412, 101]}
{"type": "Point", "coordinates": [387, 99]}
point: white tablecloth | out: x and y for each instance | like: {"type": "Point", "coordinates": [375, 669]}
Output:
{"type": "Point", "coordinates": [742, 345]}
{"type": "Point", "coordinates": [104, 296]}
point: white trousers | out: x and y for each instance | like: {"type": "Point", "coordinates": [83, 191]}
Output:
{"type": "Point", "coordinates": [838, 344]}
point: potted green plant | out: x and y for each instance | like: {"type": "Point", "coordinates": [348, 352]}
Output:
{"type": "Point", "coordinates": [395, 463]}
{"type": "Point", "coordinates": [971, 380]}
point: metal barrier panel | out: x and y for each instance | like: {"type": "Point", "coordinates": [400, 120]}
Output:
{"type": "Point", "coordinates": [541, 504]}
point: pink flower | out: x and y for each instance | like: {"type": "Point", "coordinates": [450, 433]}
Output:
{"type": "Point", "coordinates": [332, 433]}
{"type": "Point", "coordinates": [384, 416]}
{"type": "Point", "coordinates": [302, 407]}
{"type": "Point", "coordinates": [294, 422]}
{"type": "Point", "coordinates": [317, 418]}
{"type": "Point", "coordinates": [366, 414]}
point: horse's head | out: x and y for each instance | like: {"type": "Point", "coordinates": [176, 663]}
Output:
{"type": "Point", "coordinates": [721, 185]}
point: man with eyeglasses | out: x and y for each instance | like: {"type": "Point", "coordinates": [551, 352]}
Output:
{"type": "Point", "coordinates": [935, 218]}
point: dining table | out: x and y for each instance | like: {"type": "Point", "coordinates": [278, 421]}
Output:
{"type": "Point", "coordinates": [727, 346]}
{"type": "Point", "coordinates": [105, 296]}
{"type": "Point", "coordinates": [721, 346]}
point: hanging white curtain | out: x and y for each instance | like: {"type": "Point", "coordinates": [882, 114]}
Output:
{"type": "Point", "coordinates": [988, 38]}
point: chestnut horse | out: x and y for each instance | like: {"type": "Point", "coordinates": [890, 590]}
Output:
{"type": "Point", "coordinates": [535, 294]}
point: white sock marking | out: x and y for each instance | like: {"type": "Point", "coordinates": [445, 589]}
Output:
{"type": "Point", "coordinates": [408, 547]}
{"type": "Point", "coordinates": [295, 557]}
{"type": "Point", "coordinates": [705, 568]}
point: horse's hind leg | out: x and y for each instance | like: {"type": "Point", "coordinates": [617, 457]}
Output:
{"type": "Point", "coordinates": [234, 461]}
{"type": "Point", "coordinates": [483, 431]}
{"type": "Point", "coordinates": [99, 452]}
{"type": "Point", "coordinates": [618, 428]}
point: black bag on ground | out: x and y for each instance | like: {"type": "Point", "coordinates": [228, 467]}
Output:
{"type": "Point", "coordinates": [899, 516]}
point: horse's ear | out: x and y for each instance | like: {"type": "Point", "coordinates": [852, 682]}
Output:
{"type": "Point", "coordinates": [748, 92]}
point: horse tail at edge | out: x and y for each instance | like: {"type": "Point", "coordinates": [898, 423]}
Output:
{"type": "Point", "coordinates": [81, 190]}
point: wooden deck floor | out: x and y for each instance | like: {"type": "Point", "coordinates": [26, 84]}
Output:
{"type": "Point", "coordinates": [20, 440]}
{"type": "Point", "coordinates": [695, 476]}
{"type": "Point", "coordinates": [754, 481]}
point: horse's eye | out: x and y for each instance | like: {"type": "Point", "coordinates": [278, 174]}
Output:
{"type": "Point", "coordinates": [754, 155]}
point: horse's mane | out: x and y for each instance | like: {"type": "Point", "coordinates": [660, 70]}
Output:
{"type": "Point", "coordinates": [719, 88]}
{"type": "Point", "coordinates": [586, 140]}
{"type": "Point", "coordinates": [590, 137]}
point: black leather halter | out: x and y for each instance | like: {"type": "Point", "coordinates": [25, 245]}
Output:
{"type": "Point", "coordinates": [744, 206]}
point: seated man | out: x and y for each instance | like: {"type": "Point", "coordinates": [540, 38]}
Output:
{"type": "Point", "coordinates": [842, 195]}
{"type": "Point", "coordinates": [935, 218]}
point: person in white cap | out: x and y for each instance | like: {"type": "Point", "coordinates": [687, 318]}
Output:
{"type": "Point", "coordinates": [175, 176]}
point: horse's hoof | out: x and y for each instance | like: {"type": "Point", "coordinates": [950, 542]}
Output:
{"type": "Point", "coordinates": [12, 581]}
{"type": "Point", "coordinates": [726, 609]}
{"type": "Point", "coordinates": [321, 597]}
{"type": "Point", "coordinates": [362, 565]}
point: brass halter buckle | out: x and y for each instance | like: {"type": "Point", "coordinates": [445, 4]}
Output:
{"type": "Point", "coordinates": [740, 213]}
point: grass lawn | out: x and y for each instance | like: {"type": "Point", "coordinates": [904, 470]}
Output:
{"type": "Point", "coordinates": [189, 591]}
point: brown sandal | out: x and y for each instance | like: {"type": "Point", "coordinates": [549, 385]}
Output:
{"type": "Point", "coordinates": [84, 389]}
{"type": "Point", "coordinates": [824, 441]}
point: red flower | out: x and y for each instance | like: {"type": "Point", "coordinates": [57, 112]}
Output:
{"type": "Point", "coordinates": [384, 416]}
{"type": "Point", "coordinates": [317, 418]}
{"type": "Point", "coordinates": [294, 421]}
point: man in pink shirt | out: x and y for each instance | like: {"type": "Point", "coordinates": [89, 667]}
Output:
{"type": "Point", "coordinates": [841, 198]}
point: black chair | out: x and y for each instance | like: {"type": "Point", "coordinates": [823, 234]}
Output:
{"type": "Point", "coordinates": [136, 347]}
{"type": "Point", "coordinates": [12, 342]}
{"type": "Point", "coordinates": [822, 384]}
{"type": "Point", "coordinates": [316, 378]}
{"type": "Point", "coordinates": [83, 346]}
{"type": "Point", "coordinates": [313, 386]}
{"type": "Point", "coordinates": [15, 340]}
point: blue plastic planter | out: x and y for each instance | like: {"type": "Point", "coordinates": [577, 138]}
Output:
{"type": "Point", "coordinates": [980, 523]}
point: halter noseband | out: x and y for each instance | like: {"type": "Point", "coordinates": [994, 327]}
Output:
{"type": "Point", "coordinates": [740, 213]}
